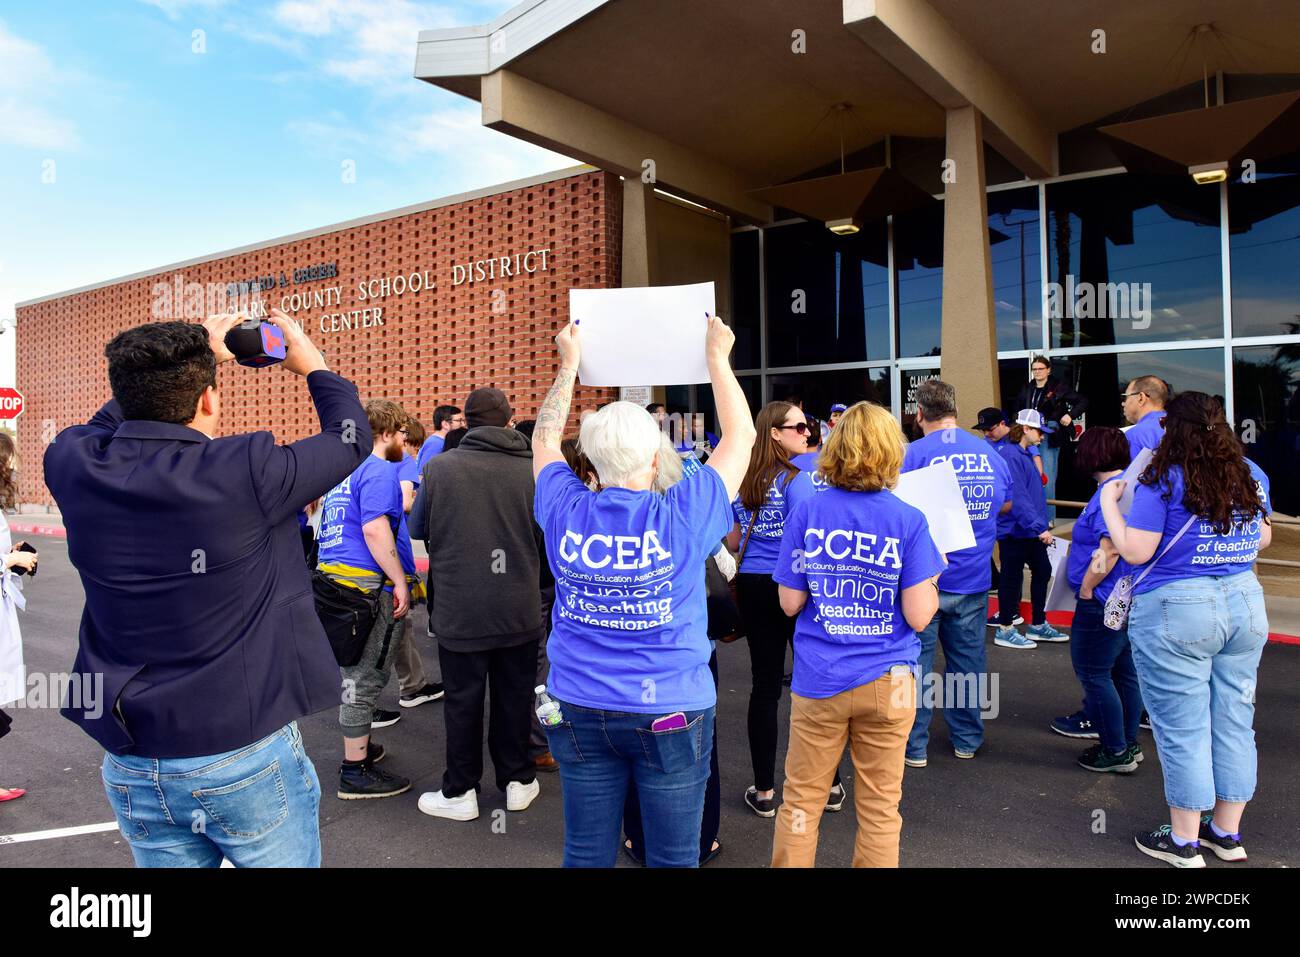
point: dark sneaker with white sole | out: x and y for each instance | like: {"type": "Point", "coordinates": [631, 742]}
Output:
{"type": "Point", "coordinates": [379, 718]}
{"type": "Point", "coordinates": [1016, 619]}
{"type": "Point", "coordinates": [1227, 848]}
{"type": "Point", "coordinates": [430, 692]}
{"type": "Point", "coordinates": [763, 807]}
{"type": "Point", "coordinates": [1135, 749]}
{"type": "Point", "coordinates": [1075, 725]}
{"type": "Point", "coordinates": [1144, 722]}
{"type": "Point", "coordinates": [375, 753]}
{"type": "Point", "coordinates": [1098, 758]}
{"type": "Point", "coordinates": [1160, 845]}
{"type": "Point", "coordinates": [361, 781]}
{"type": "Point", "coordinates": [835, 800]}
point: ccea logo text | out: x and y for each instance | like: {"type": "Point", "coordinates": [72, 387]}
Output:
{"type": "Point", "coordinates": [75, 910]}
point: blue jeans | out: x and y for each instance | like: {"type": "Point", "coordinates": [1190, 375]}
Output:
{"type": "Point", "coordinates": [1197, 643]}
{"type": "Point", "coordinates": [257, 806]}
{"type": "Point", "coordinates": [1051, 457]}
{"type": "Point", "coordinates": [959, 626]}
{"type": "Point", "coordinates": [600, 753]}
{"type": "Point", "coordinates": [1103, 664]}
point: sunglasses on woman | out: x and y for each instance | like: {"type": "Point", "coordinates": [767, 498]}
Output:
{"type": "Point", "coordinates": [800, 427]}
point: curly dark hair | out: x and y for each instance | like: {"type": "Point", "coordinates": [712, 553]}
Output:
{"type": "Point", "coordinates": [158, 370]}
{"type": "Point", "coordinates": [1217, 484]}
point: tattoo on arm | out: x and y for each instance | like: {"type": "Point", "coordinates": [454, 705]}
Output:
{"type": "Point", "coordinates": [554, 413]}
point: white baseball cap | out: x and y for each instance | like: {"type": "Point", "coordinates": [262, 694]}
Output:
{"type": "Point", "coordinates": [1030, 418]}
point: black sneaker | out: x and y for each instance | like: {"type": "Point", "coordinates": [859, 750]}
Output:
{"type": "Point", "coordinates": [430, 692]}
{"type": "Point", "coordinates": [375, 753]}
{"type": "Point", "coordinates": [1016, 619]}
{"type": "Point", "coordinates": [1098, 758]}
{"type": "Point", "coordinates": [1144, 722]}
{"type": "Point", "coordinates": [835, 800]}
{"type": "Point", "coordinates": [1135, 749]}
{"type": "Point", "coordinates": [379, 718]}
{"type": "Point", "coordinates": [763, 807]}
{"type": "Point", "coordinates": [1224, 848]}
{"type": "Point", "coordinates": [1160, 845]}
{"type": "Point", "coordinates": [364, 780]}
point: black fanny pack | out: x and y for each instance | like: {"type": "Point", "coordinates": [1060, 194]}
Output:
{"type": "Point", "coordinates": [347, 614]}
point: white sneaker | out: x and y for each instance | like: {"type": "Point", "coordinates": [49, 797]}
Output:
{"type": "Point", "coordinates": [519, 796]}
{"type": "Point", "coordinates": [463, 808]}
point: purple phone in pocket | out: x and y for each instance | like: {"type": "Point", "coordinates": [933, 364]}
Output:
{"type": "Point", "coordinates": [669, 722]}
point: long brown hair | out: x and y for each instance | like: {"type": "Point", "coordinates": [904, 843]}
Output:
{"type": "Point", "coordinates": [8, 487]}
{"type": "Point", "coordinates": [1217, 484]}
{"type": "Point", "coordinates": [768, 458]}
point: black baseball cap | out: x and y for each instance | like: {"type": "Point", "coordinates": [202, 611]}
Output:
{"type": "Point", "coordinates": [990, 417]}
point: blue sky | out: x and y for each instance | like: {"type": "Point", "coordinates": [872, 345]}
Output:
{"type": "Point", "coordinates": [159, 153]}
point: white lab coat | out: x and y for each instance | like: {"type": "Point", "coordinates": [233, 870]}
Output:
{"type": "Point", "coordinates": [13, 677]}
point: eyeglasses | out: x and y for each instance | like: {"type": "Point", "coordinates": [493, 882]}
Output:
{"type": "Point", "coordinates": [800, 427]}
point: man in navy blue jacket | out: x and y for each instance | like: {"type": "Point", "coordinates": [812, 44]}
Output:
{"type": "Point", "coordinates": [199, 611]}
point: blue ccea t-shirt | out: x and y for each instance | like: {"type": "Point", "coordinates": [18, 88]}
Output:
{"type": "Point", "coordinates": [408, 470]}
{"type": "Point", "coordinates": [370, 491]}
{"type": "Point", "coordinates": [804, 486]}
{"type": "Point", "coordinates": [1146, 433]}
{"type": "Point", "coordinates": [806, 461]}
{"type": "Point", "coordinates": [1201, 552]}
{"type": "Point", "coordinates": [764, 541]}
{"type": "Point", "coordinates": [1085, 537]}
{"type": "Point", "coordinates": [854, 553]}
{"type": "Point", "coordinates": [432, 446]}
{"type": "Point", "coordinates": [630, 623]}
{"type": "Point", "coordinates": [985, 484]}
{"type": "Point", "coordinates": [1028, 515]}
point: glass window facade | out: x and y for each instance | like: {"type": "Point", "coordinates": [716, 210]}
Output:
{"type": "Point", "coordinates": [1149, 248]}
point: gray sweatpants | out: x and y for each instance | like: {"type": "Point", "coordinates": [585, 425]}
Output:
{"type": "Point", "coordinates": [363, 682]}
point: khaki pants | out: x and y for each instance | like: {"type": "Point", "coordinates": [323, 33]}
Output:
{"type": "Point", "coordinates": [408, 665]}
{"type": "Point", "coordinates": [875, 720]}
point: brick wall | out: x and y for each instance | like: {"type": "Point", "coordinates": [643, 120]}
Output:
{"type": "Point", "coordinates": [432, 347]}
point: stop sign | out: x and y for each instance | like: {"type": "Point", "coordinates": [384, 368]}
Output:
{"type": "Point", "coordinates": [11, 403]}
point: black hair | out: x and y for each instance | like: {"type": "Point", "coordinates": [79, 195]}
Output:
{"type": "Point", "coordinates": [526, 427]}
{"type": "Point", "coordinates": [159, 370]}
{"type": "Point", "coordinates": [453, 438]}
{"type": "Point", "coordinates": [442, 414]}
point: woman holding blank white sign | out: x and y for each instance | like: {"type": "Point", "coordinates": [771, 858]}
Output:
{"type": "Point", "coordinates": [629, 648]}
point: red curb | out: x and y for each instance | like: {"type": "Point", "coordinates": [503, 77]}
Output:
{"type": "Point", "coordinates": [35, 528]}
{"type": "Point", "coordinates": [1063, 619]}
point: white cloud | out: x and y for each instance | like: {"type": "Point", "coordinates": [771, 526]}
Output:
{"type": "Point", "coordinates": [27, 83]}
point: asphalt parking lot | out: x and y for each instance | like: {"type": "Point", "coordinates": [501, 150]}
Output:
{"type": "Point", "coordinates": [1021, 802]}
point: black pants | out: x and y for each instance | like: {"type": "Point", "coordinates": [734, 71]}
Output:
{"type": "Point", "coordinates": [1016, 554]}
{"type": "Point", "coordinates": [511, 674]}
{"type": "Point", "coordinates": [768, 631]}
{"type": "Point", "coordinates": [712, 798]}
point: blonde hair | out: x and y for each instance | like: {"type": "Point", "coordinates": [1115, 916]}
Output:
{"type": "Point", "coordinates": [865, 450]}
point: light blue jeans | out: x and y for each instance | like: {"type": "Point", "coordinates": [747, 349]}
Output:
{"type": "Point", "coordinates": [958, 626]}
{"type": "Point", "coordinates": [1197, 643]}
{"type": "Point", "coordinates": [258, 806]}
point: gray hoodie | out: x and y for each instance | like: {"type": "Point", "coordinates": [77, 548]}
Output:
{"type": "Point", "coordinates": [474, 512]}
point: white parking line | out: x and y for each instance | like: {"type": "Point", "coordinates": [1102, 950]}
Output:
{"type": "Point", "coordinates": [57, 832]}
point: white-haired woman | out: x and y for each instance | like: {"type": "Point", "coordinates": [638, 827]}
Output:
{"type": "Point", "coordinates": [629, 647]}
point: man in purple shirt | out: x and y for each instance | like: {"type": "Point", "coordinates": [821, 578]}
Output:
{"type": "Point", "coordinates": [1144, 407]}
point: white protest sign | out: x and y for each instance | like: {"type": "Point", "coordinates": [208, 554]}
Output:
{"type": "Point", "coordinates": [1130, 477]}
{"type": "Point", "coordinates": [643, 334]}
{"type": "Point", "coordinates": [934, 490]}
{"type": "Point", "coordinates": [1060, 596]}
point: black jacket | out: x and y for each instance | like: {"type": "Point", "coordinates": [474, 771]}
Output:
{"type": "Point", "coordinates": [1053, 401]}
{"type": "Point", "coordinates": [474, 512]}
{"type": "Point", "coordinates": [199, 611]}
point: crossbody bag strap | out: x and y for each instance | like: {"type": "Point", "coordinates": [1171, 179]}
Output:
{"type": "Point", "coordinates": [748, 532]}
{"type": "Point", "coordinates": [1146, 571]}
